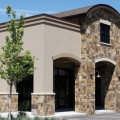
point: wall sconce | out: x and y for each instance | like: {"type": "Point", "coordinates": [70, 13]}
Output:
{"type": "Point", "coordinates": [98, 75]}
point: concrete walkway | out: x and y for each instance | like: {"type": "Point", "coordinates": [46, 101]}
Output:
{"type": "Point", "coordinates": [112, 116]}
{"type": "Point", "coordinates": [71, 115]}
{"type": "Point", "coordinates": [100, 115]}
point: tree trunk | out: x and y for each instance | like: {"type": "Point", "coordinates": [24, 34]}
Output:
{"type": "Point", "coordinates": [10, 101]}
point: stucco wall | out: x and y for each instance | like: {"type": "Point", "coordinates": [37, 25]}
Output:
{"type": "Point", "coordinates": [58, 40]}
{"type": "Point", "coordinates": [33, 36]}
{"type": "Point", "coordinates": [45, 41]}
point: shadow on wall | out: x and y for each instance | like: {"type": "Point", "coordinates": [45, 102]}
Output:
{"type": "Point", "coordinates": [103, 83]}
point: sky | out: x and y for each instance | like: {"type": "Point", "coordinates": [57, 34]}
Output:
{"type": "Point", "coordinates": [34, 7]}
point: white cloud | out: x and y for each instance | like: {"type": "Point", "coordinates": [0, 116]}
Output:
{"type": "Point", "coordinates": [26, 12]}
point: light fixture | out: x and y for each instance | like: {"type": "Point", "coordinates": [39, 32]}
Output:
{"type": "Point", "coordinates": [98, 75]}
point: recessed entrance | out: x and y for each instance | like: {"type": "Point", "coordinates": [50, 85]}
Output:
{"type": "Point", "coordinates": [104, 72]}
{"type": "Point", "coordinates": [64, 85]}
{"type": "Point", "coordinates": [24, 89]}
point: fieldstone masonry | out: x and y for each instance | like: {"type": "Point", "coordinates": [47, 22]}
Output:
{"type": "Point", "coordinates": [84, 85]}
{"type": "Point", "coordinates": [4, 102]}
{"type": "Point", "coordinates": [91, 50]}
{"type": "Point", "coordinates": [43, 104]}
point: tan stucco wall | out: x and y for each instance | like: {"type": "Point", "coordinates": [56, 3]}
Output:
{"type": "Point", "coordinates": [44, 41]}
{"type": "Point", "coordinates": [4, 88]}
{"type": "Point", "coordinates": [58, 40]}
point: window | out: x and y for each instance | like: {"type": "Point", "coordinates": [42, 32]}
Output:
{"type": "Point", "coordinates": [104, 33]}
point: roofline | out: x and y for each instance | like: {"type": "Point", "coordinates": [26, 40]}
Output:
{"type": "Point", "coordinates": [45, 19]}
{"type": "Point", "coordinates": [90, 8]}
{"type": "Point", "coordinates": [105, 5]}
{"type": "Point", "coordinates": [43, 14]}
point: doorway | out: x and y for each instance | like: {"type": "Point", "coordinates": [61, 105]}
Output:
{"type": "Point", "coordinates": [64, 85]}
{"type": "Point", "coordinates": [102, 83]}
{"type": "Point", "coordinates": [24, 89]}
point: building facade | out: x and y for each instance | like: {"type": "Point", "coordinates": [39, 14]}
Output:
{"type": "Point", "coordinates": [78, 66]}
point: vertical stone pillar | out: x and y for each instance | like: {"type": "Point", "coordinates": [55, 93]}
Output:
{"type": "Point", "coordinates": [4, 97]}
{"type": "Point", "coordinates": [4, 102]}
{"type": "Point", "coordinates": [118, 96]}
{"type": "Point", "coordinates": [90, 70]}
{"type": "Point", "coordinates": [85, 88]}
{"type": "Point", "coordinates": [118, 90]}
{"type": "Point", "coordinates": [43, 104]}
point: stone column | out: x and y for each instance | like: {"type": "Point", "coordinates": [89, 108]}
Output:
{"type": "Point", "coordinates": [4, 102]}
{"type": "Point", "coordinates": [43, 104]}
{"type": "Point", "coordinates": [118, 96]}
{"type": "Point", "coordinates": [4, 97]}
{"type": "Point", "coordinates": [85, 88]}
{"type": "Point", "coordinates": [118, 90]}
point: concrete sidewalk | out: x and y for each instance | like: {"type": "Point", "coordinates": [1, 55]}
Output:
{"type": "Point", "coordinates": [71, 115]}
{"type": "Point", "coordinates": [101, 116]}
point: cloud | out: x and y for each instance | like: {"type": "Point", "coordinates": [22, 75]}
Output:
{"type": "Point", "coordinates": [27, 13]}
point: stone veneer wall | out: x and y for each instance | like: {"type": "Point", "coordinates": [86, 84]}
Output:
{"type": "Point", "coordinates": [4, 103]}
{"type": "Point", "coordinates": [84, 85]}
{"type": "Point", "coordinates": [92, 49]}
{"type": "Point", "coordinates": [43, 104]}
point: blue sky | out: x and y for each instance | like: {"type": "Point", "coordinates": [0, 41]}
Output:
{"type": "Point", "coordinates": [33, 7]}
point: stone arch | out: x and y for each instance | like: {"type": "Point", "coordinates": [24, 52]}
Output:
{"type": "Point", "coordinates": [104, 88]}
{"type": "Point", "coordinates": [105, 60]}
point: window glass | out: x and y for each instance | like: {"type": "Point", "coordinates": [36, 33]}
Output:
{"type": "Point", "coordinates": [104, 33]}
{"type": "Point", "coordinates": [61, 72]}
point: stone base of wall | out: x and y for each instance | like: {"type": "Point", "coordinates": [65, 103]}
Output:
{"type": "Point", "coordinates": [43, 104]}
{"type": "Point", "coordinates": [4, 102]}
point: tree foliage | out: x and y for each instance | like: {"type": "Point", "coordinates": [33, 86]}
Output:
{"type": "Point", "coordinates": [13, 67]}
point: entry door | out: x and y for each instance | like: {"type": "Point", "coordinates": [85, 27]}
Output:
{"type": "Point", "coordinates": [64, 88]}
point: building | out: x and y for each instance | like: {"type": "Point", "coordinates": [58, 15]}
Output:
{"type": "Point", "coordinates": [78, 65]}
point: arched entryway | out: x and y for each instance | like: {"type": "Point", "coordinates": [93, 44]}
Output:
{"type": "Point", "coordinates": [64, 83]}
{"type": "Point", "coordinates": [24, 89]}
{"type": "Point", "coordinates": [104, 72]}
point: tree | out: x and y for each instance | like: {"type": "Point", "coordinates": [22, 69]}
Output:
{"type": "Point", "coordinates": [13, 67]}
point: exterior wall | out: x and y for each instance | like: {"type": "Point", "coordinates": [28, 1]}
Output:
{"type": "Point", "coordinates": [92, 49]}
{"type": "Point", "coordinates": [85, 88]}
{"type": "Point", "coordinates": [45, 39]}
{"type": "Point", "coordinates": [58, 40]}
{"type": "Point", "coordinates": [30, 43]}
